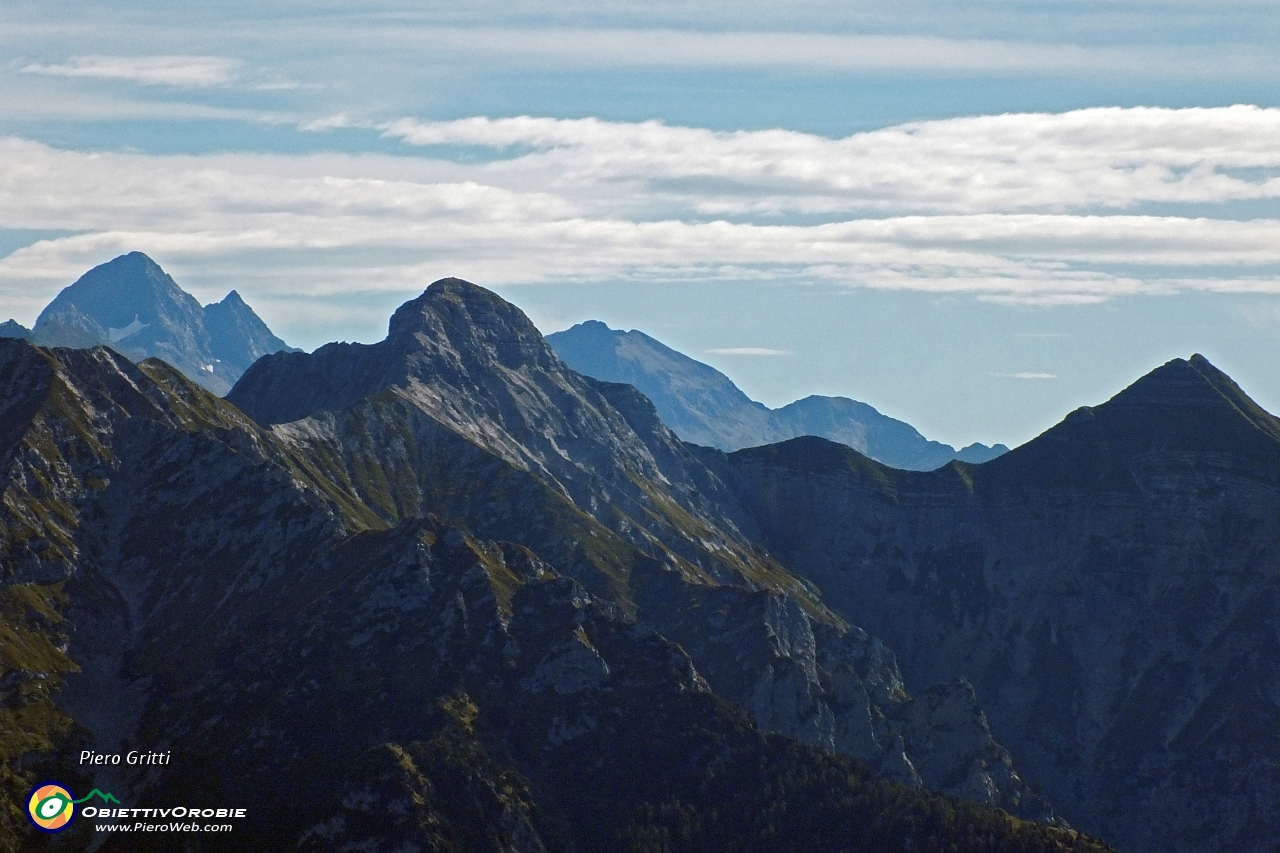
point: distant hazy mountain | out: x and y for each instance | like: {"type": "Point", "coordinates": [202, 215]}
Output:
{"type": "Point", "coordinates": [237, 336]}
{"type": "Point", "coordinates": [14, 329]}
{"type": "Point", "coordinates": [133, 306]}
{"type": "Point", "coordinates": [703, 405]}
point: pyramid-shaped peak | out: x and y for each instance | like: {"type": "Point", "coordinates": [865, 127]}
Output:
{"type": "Point", "coordinates": [233, 300]}
{"type": "Point", "coordinates": [115, 294]}
{"type": "Point", "coordinates": [133, 271]}
{"type": "Point", "coordinates": [133, 268]}
{"type": "Point", "coordinates": [1175, 382]}
{"type": "Point", "coordinates": [1190, 383]}
{"type": "Point", "coordinates": [1183, 408]}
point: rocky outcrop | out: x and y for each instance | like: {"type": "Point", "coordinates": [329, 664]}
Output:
{"type": "Point", "coordinates": [237, 336]}
{"type": "Point", "coordinates": [14, 329]}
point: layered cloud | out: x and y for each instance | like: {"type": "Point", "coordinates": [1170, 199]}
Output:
{"type": "Point", "coordinates": [1097, 158]}
{"type": "Point", "coordinates": [1036, 208]}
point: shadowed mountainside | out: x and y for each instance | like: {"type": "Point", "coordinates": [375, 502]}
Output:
{"type": "Point", "coordinates": [1111, 588]}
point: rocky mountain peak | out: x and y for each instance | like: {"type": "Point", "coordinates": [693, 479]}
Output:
{"type": "Point", "coordinates": [1194, 384]}
{"type": "Point", "coordinates": [469, 320]}
{"type": "Point", "coordinates": [704, 406]}
{"type": "Point", "coordinates": [238, 337]}
{"type": "Point", "coordinates": [112, 298]}
{"type": "Point", "coordinates": [1179, 382]}
{"type": "Point", "coordinates": [14, 329]}
{"type": "Point", "coordinates": [133, 306]}
{"type": "Point", "coordinates": [1110, 586]}
{"type": "Point", "coordinates": [1182, 410]}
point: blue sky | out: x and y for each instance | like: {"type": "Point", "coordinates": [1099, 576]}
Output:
{"type": "Point", "coordinates": [975, 216]}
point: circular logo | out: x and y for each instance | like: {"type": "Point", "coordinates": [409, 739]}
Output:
{"type": "Point", "coordinates": [50, 807]}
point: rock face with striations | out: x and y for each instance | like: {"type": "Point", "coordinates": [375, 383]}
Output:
{"type": "Point", "coordinates": [703, 405]}
{"type": "Point", "coordinates": [483, 603]}
{"type": "Point", "coordinates": [133, 306]}
{"type": "Point", "coordinates": [1111, 589]}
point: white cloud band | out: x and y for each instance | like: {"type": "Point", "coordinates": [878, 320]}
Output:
{"type": "Point", "coordinates": [1094, 158]}
{"type": "Point", "coordinates": [1046, 209]}
{"type": "Point", "coordinates": [187, 72]}
{"type": "Point", "coordinates": [685, 48]}
{"type": "Point", "coordinates": [749, 351]}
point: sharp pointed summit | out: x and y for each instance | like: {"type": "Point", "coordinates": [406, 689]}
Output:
{"type": "Point", "coordinates": [136, 308]}
{"type": "Point", "coordinates": [129, 296]}
{"type": "Point", "coordinates": [237, 336]}
{"type": "Point", "coordinates": [1186, 409]}
{"type": "Point", "coordinates": [1190, 389]}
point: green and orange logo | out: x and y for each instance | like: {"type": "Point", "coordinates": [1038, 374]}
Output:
{"type": "Point", "coordinates": [51, 806]}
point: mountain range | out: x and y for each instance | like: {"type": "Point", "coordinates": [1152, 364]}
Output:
{"type": "Point", "coordinates": [445, 579]}
{"type": "Point", "coordinates": [444, 592]}
{"type": "Point", "coordinates": [703, 405]}
{"type": "Point", "coordinates": [131, 305]}
{"type": "Point", "coordinates": [134, 307]}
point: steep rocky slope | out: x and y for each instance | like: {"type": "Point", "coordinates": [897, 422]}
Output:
{"type": "Point", "coordinates": [703, 406]}
{"type": "Point", "coordinates": [460, 595]}
{"type": "Point", "coordinates": [1111, 589]}
{"type": "Point", "coordinates": [237, 336]}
